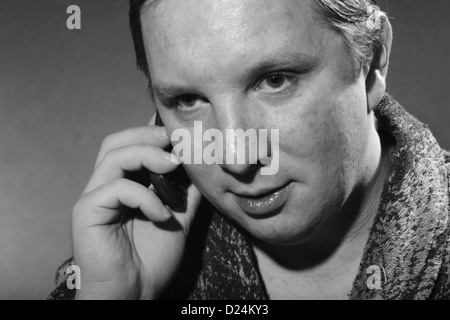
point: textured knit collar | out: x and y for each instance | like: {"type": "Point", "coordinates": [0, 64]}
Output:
{"type": "Point", "coordinates": [408, 239]}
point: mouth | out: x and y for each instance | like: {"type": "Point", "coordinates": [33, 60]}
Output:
{"type": "Point", "coordinates": [264, 202]}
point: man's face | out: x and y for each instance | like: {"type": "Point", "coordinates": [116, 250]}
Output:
{"type": "Point", "coordinates": [263, 64]}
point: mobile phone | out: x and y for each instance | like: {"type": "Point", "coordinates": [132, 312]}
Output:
{"type": "Point", "coordinates": [171, 188]}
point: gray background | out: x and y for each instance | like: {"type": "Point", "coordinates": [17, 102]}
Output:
{"type": "Point", "coordinates": [62, 91]}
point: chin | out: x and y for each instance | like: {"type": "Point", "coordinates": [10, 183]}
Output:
{"type": "Point", "coordinates": [283, 240]}
{"type": "Point", "coordinates": [280, 231]}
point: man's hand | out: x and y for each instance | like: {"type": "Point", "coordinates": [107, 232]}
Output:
{"type": "Point", "coordinates": [121, 254]}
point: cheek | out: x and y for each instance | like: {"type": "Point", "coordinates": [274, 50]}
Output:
{"type": "Point", "coordinates": [329, 156]}
{"type": "Point", "coordinates": [198, 174]}
{"type": "Point", "coordinates": [316, 138]}
{"type": "Point", "coordinates": [203, 176]}
{"type": "Point", "coordinates": [329, 137]}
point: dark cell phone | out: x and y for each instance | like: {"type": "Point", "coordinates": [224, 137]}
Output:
{"type": "Point", "coordinates": [171, 188]}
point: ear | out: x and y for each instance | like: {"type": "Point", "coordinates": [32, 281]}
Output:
{"type": "Point", "coordinates": [378, 69]}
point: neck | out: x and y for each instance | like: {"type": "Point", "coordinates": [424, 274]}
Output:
{"type": "Point", "coordinates": [344, 236]}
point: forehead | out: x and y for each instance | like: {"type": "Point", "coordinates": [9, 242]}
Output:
{"type": "Point", "coordinates": [223, 32]}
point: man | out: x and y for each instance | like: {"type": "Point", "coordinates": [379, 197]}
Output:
{"type": "Point", "coordinates": [358, 208]}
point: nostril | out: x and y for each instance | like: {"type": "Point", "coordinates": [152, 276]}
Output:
{"type": "Point", "coordinates": [264, 161]}
{"type": "Point", "coordinates": [244, 173]}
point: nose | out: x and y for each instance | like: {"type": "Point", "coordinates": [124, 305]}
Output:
{"type": "Point", "coordinates": [242, 141]}
{"type": "Point", "coordinates": [239, 152]}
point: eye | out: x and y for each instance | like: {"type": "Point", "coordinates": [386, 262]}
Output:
{"type": "Point", "coordinates": [189, 100]}
{"type": "Point", "coordinates": [189, 106]}
{"type": "Point", "coordinates": [278, 83]}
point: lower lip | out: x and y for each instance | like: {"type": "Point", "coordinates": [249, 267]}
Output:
{"type": "Point", "coordinates": [265, 205]}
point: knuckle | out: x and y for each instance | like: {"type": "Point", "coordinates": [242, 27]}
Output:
{"type": "Point", "coordinates": [113, 140]}
{"type": "Point", "coordinates": [79, 207]}
{"type": "Point", "coordinates": [111, 153]}
{"type": "Point", "coordinates": [108, 141]}
{"type": "Point", "coordinates": [108, 157]}
{"type": "Point", "coordinates": [107, 144]}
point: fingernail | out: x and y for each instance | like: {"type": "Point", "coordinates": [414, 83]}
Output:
{"type": "Point", "coordinates": [166, 212]}
{"type": "Point", "coordinates": [161, 132]}
{"type": "Point", "coordinates": [173, 159]}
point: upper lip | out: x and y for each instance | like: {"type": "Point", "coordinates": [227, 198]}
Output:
{"type": "Point", "coordinates": [260, 193]}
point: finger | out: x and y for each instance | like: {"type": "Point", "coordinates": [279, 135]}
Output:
{"type": "Point", "coordinates": [131, 158]}
{"type": "Point", "coordinates": [153, 135]}
{"type": "Point", "coordinates": [102, 205]}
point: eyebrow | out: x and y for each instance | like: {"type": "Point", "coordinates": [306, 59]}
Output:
{"type": "Point", "coordinates": [165, 91]}
{"type": "Point", "coordinates": [284, 61]}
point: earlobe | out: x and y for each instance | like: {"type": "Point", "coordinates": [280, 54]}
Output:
{"type": "Point", "coordinates": [376, 77]}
